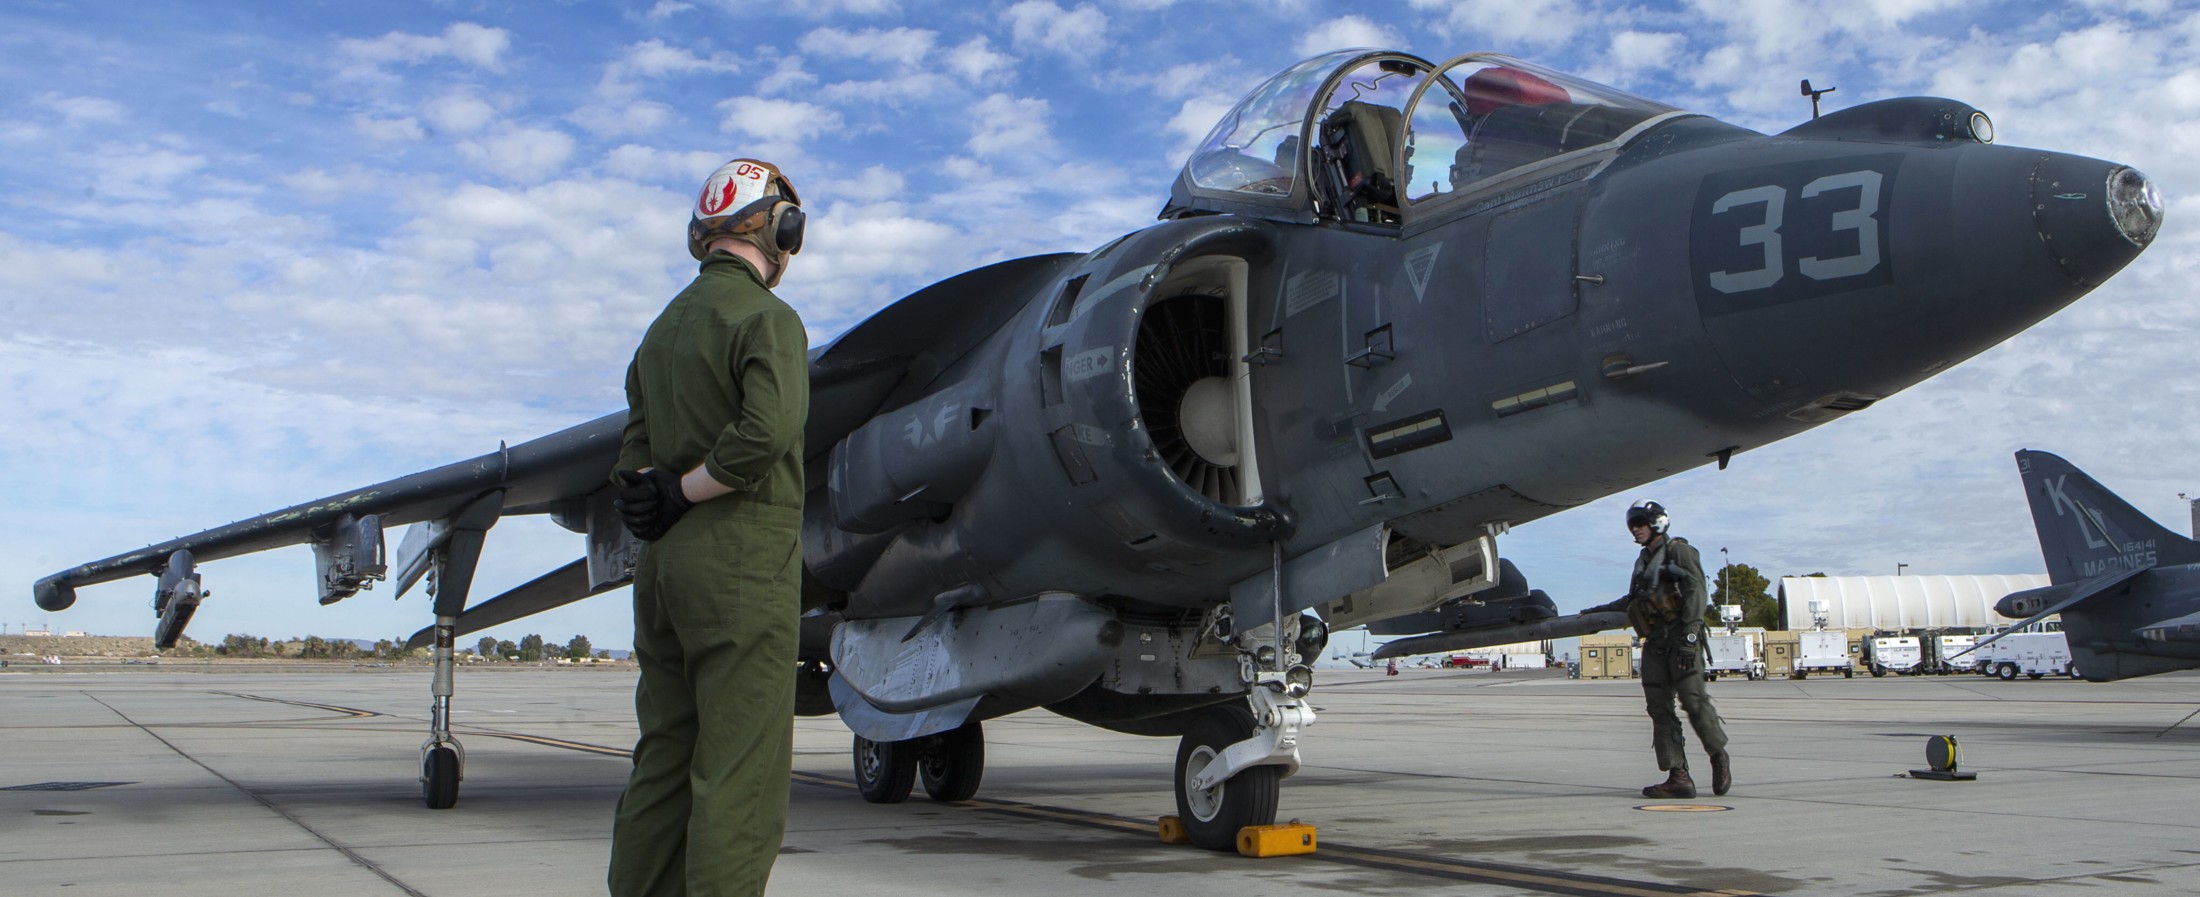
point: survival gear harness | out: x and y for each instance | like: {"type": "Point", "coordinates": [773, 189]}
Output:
{"type": "Point", "coordinates": [1657, 602]}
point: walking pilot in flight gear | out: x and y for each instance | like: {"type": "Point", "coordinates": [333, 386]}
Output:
{"type": "Point", "coordinates": [1665, 603]}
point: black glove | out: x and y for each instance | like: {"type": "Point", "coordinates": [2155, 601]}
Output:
{"type": "Point", "coordinates": [650, 502]}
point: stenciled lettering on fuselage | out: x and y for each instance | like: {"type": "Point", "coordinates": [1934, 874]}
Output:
{"type": "Point", "coordinates": [1784, 233]}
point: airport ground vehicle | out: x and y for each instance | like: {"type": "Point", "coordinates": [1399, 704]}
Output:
{"type": "Point", "coordinates": [1946, 654]}
{"type": "Point", "coordinates": [1885, 654]}
{"type": "Point", "coordinates": [1734, 652]}
{"type": "Point", "coordinates": [2033, 654]}
{"type": "Point", "coordinates": [1823, 650]}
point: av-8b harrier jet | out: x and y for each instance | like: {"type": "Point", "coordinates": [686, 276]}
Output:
{"type": "Point", "coordinates": [2127, 588]}
{"type": "Point", "coordinates": [1392, 308]}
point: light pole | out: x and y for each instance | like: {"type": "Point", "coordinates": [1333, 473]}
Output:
{"type": "Point", "coordinates": [1898, 569]}
{"type": "Point", "coordinates": [1726, 577]}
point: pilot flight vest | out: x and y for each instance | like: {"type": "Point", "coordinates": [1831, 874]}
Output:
{"type": "Point", "coordinates": [1655, 589]}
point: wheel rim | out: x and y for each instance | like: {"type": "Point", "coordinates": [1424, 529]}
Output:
{"type": "Point", "coordinates": [1205, 803]}
{"type": "Point", "coordinates": [867, 761]}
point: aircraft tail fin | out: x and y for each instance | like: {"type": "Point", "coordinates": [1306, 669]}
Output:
{"type": "Point", "coordinates": [2086, 531]}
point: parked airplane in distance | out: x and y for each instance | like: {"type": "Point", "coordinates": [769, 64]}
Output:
{"type": "Point", "coordinates": [2128, 588]}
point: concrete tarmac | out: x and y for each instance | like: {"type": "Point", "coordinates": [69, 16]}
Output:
{"type": "Point", "coordinates": [162, 781]}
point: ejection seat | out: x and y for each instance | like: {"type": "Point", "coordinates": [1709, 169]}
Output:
{"type": "Point", "coordinates": [1356, 145]}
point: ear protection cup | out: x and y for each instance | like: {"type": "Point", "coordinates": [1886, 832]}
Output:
{"type": "Point", "coordinates": [786, 227]}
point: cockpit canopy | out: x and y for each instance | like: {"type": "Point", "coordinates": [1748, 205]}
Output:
{"type": "Point", "coordinates": [1362, 135]}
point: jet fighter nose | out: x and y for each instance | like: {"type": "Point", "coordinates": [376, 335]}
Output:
{"type": "Point", "coordinates": [2093, 217]}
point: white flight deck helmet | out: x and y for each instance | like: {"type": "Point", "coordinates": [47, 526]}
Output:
{"type": "Point", "coordinates": [750, 199]}
{"type": "Point", "coordinates": [1650, 514]}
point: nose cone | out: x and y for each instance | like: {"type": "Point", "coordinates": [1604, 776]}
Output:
{"type": "Point", "coordinates": [1897, 264]}
{"type": "Point", "coordinates": [2093, 217]}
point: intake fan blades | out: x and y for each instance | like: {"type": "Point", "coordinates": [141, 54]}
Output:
{"type": "Point", "coordinates": [1181, 342]}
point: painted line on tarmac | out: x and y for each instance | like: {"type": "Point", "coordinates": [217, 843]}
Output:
{"type": "Point", "coordinates": [271, 806]}
{"type": "Point", "coordinates": [349, 712]}
{"type": "Point", "coordinates": [1544, 880]}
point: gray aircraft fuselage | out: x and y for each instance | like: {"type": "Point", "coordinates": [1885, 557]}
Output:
{"type": "Point", "coordinates": [1547, 345]}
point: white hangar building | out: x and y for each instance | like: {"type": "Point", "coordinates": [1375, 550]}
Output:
{"type": "Point", "coordinates": [1900, 603]}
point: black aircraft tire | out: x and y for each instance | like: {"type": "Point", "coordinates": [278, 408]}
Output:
{"type": "Point", "coordinates": [440, 771]}
{"type": "Point", "coordinates": [1878, 672]}
{"type": "Point", "coordinates": [1212, 819]}
{"type": "Point", "coordinates": [952, 763]}
{"type": "Point", "coordinates": [2006, 672]}
{"type": "Point", "coordinates": [885, 770]}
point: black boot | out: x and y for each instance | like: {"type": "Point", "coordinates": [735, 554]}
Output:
{"type": "Point", "coordinates": [1722, 774]}
{"type": "Point", "coordinates": [1676, 784]}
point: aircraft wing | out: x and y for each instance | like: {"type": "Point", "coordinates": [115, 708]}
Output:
{"type": "Point", "coordinates": [2054, 600]}
{"type": "Point", "coordinates": [534, 476]}
{"type": "Point", "coordinates": [877, 365]}
{"type": "Point", "coordinates": [887, 360]}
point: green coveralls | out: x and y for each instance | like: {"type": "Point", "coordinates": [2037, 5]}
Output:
{"type": "Point", "coordinates": [722, 380]}
{"type": "Point", "coordinates": [1672, 651]}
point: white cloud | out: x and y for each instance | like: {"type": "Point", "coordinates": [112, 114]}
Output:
{"type": "Point", "coordinates": [650, 164]}
{"type": "Point", "coordinates": [787, 74]}
{"type": "Point", "coordinates": [465, 42]}
{"type": "Point", "coordinates": [1078, 33]}
{"type": "Point", "coordinates": [906, 46]}
{"type": "Point", "coordinates": [321, 186]}
{"type": "Point", "coordinates": [666, 9]}
{"type": "Point", "coordinates": [625, 118]}
{"type": "Point", "coordinates": [76, 111]}
{"type": "Point", "coordinates": [1343, 33]}
{"type": "Point", "coordinates": [789, 120]}
{"type": "Point", "coordinates": [388, 129]}
{"type": "Point", "coordinates": [458, 113]}
{"type": "Point", "coordinates": [1530, 22]}
{"type": "Point", "coordinates": [654, 58]}
{"type": "Point", "coordinates": [917, 87]}
{"type": "Point", "coordinates": [520, 154]}
{"type": "Point", "coordinates": [873, 184]}
{"type": "Point", "coordinates": [1637, 50]}
{"type": "Point", "coordinates": [1002, 123]}
{"type": "Point", "coordinates": [975, 59]}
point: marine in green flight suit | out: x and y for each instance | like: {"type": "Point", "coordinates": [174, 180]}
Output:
{"type": "Point", "coordinates": [1665, 603]}
{"type": "Point", "coordinates": [710, 475]}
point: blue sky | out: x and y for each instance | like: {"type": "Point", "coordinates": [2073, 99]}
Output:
{"type": "Point", "coordinates": [253, 254]}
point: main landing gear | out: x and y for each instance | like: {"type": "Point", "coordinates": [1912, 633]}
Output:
{"type": "Point", "coordinates": [951, 763]}
{"type": "Point", "coordinates": [442, 759]}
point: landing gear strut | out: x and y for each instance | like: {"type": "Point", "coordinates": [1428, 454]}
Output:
{"type": "Point", "coordinates": [1233, 758]}
{"type": "Point", "coordinates": [1212, 815]}
{"type": "Point", "coordinates": [442, 760]}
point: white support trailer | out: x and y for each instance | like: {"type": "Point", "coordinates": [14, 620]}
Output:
{"type": "Point", "coordinates": [1885, 654]}
{"type": "Point", "coordinates": [1822, 649]}
{"type": "Point", "coordinates": [2031, 654]}
{"type": "Point", "coordinates": [1941, 654]}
